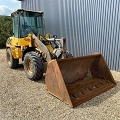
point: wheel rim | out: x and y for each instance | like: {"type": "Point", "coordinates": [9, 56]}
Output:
{"type": "Point", "coordinates": [29, 66]}
{"type": "Point", "coordinates": [8, 59]}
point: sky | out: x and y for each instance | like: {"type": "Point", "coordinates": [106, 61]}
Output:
{"type": "Point", "coordinates": [8, 6]}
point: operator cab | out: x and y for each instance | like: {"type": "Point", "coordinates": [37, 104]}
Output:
{"type": "Point", "coordinates": [25, 22]}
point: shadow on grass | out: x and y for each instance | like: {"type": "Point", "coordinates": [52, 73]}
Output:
{"type": "Point", "coordinates": [96, 101]}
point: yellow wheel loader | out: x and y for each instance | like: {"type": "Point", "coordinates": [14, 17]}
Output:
{"type": "Point", "coordinates": [74, 80]}
{"type": "Point", "coordinates": [32, 45]}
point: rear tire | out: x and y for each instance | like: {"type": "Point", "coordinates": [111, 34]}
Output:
{"type": "Point", "coordinates": [33, 66]}
{"type": "Point", "coordinates": [12, 63]}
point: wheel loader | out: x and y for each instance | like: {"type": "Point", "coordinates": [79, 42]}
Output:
{"type": "Point", "coordinates": [73, 80]}
{"type": "Point", "coordinates": [32, 45]}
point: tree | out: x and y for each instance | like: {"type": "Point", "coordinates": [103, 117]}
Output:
{"type": "Point", "coordinates": [5, 29]}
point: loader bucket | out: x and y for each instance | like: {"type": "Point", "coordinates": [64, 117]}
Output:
{"type": "Point", "coordinates": [76, 80]}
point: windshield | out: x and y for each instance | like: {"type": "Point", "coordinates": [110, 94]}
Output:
{"type": "Point", "coordinates": [31, 22]}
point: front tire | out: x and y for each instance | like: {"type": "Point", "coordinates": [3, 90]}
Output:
{"type": "Point", "coordinates": [33, 65]}
{"type": "Point", "coordinates": [12, 63]}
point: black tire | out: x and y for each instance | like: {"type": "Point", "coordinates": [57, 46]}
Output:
{"type": "Point", "coordinates": [69, 54]}
{"type": "Point", "coordinates": [33, 66]}
{"type": "Point", "coordinates": [12, 63]}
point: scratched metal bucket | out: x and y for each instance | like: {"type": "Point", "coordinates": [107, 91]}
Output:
{"type": "Point", "coordinates": [78, 79]}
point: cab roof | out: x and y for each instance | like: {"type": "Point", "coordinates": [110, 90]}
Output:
{"type": "Point", "coordinates": [19, 10]}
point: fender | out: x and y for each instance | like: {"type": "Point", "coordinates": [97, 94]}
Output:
{"type": "Point", "coordinates": [27, 50]}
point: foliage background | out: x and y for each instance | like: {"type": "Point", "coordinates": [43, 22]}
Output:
{"type": "Point", "coordinates": [5, 29]}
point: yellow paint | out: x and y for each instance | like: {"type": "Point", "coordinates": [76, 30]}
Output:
{"type": "Point", "coordinates": [47, 36]}
{"type": "Point", "coordinates": [21, 41]}
{"type": "Point", "coordinates": [17, 45]}
{"type": "Point", "coordinates": [50, 48]}
{"type": "Point", "coordinates": [16, 52]}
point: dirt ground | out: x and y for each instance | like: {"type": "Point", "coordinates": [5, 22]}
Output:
{"type": "Point", "coordinates": [23, 99]}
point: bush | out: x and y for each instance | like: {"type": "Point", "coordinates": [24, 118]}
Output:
{"type": "Point", "coordinates": [5, 29]}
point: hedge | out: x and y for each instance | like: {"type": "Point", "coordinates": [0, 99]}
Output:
{"type": "Point", "coordinates": [5, 29]}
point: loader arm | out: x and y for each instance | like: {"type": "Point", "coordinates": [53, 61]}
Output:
{"type": "Point", "coordinates": [42, 47]}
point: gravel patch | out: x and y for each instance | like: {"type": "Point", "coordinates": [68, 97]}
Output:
{"type": "Point", "coordinates": [23, 99]}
